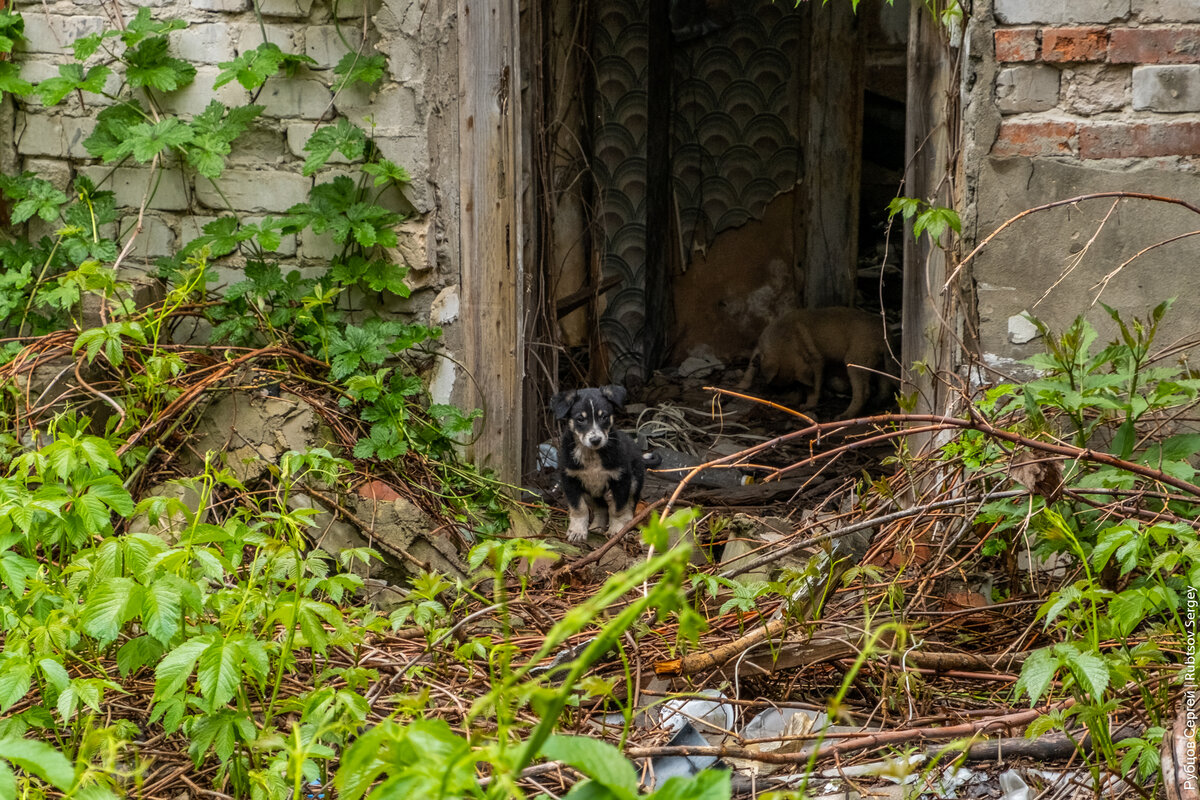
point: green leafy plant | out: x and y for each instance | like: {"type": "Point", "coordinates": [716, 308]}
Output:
{"type": "Point", "coordinates": [926, 217]}
{"type": "Point", "coordinates": [1133, 575]}
{"type": "Point", "coordinates": [428, 757]}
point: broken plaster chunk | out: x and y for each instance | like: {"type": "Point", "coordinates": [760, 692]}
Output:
{"type": "Point", "coordinates": [1021, 330]}
{"type": "Point", "coordinates": [444, 309]}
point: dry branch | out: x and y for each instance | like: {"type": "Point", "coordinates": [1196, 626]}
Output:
{"type": "Point", "coordinates": [868, 741]}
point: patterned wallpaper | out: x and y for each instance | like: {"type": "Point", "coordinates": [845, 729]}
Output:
{"type": "Point", "coordinates": [733, 141]}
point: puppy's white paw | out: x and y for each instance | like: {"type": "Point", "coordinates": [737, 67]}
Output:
{"type": "Point", "coordinates": [577, 531]}
{"type": "Point", "coordinates": [617, 525]}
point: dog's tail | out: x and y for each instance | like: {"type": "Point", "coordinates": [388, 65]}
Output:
{"type": "Point", "coordinates": [651, 460]}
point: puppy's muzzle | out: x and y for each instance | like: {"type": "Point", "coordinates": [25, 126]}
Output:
{"type": "Point", "coordinates": [595, 439]}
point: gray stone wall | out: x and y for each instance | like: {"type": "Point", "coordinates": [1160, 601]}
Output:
{"type": "Point", "coordinates": [1064, 99]}
{"type": "Point", "coordinates": [410, 115]}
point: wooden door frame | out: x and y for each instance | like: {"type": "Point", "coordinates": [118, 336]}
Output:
{"type": "Point", "coordinates": [492, 218]}
{"type": "Point", "coordinates": [932, 148]}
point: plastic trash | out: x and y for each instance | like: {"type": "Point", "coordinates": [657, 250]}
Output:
{"type": "Point", "coordinates": [777, 722]}
{"type": "Point", "coordinates": [664, 768]}
{"type": "Point", "coordinates": [1014, 786]}
{"type": "Point", "coordinates": [711, 717]}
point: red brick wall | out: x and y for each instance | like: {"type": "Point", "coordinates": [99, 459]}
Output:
{"type": "Point", "coordinates": [1126, 88]}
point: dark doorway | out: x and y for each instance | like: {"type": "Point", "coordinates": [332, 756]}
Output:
{"type": "Point", "coordinates": [701, 166]}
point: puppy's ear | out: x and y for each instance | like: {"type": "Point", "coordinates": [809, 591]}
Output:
{"type": "Point", "coordinates": [615, 395]}
{"type": "Point", "coordinates": [561, 404]}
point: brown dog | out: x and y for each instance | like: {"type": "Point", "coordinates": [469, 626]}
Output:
{"type": "Point", "coordinates": [795, 347]}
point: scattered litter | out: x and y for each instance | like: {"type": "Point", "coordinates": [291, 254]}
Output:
{"type": "Point", "coordinates": [700, 363]}
{"type": "Point", "coordinates": [713, 718]}
{"type": "Point", "coordinates": [897, 770]}
{"type": "Point", "coordinates": [1014, 787]}
{"type": "Point", "coordinates": [775, 723]}
{"type": "Point", "coordinates": [664, 768]}
{"type": "Point", "coordinates": [547, 456]}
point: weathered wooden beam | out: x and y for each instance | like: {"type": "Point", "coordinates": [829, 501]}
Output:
{"type": "Point", "coordinates": [931, 139]}
{"type": "Point", "coordinates": [832, 154]}
{"type": "Point", "coordinates": [490, 185]}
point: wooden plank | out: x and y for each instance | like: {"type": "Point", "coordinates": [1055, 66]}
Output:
{"type": "Point", "coordinates": [490, 235]}
{"type": "Point", "coordinates": [833, 154]}
{"type": "Point", "coordinates": [931, 316]}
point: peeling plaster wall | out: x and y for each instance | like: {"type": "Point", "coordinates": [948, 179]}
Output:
{"type": "Point", "coordinates": [411, 114]}
{"type": "Point", "coordinates": [1064, 99]}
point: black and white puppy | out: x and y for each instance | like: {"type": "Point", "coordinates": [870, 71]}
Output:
{"type": "Point", "coordinates": [600, 467]}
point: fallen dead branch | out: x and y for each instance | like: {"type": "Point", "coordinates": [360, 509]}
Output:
{"type": "Point", "coordinates": [868, 741]}
{"type": "Point", "coordinates": [965, 659]}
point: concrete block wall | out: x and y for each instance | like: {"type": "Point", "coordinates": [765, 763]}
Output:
{"type": "Point", "coordinates": [1097, 79]}
{"type": "Point", "coordinates": [1065, 99]}
{"type": "Point", "coordinates": [264, 173]}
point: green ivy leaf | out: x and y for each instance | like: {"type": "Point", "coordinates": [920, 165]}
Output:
{"type": "Point", "coordinates": [37, 198]}
{"type": "Point", "coordinates": [109, 338]}
{"type": "Point", "coordinates": [147, 140]}
{"type": "Point", "coordinates": [176, 667]}
{"type": "Point", "coordinates": [137, 653]}
{"type": "Point", "coordinates": [384, 171]}
{"type": "Point", "coordinates": [143, 26]}
{"type": "Point", "coordinates": [936, 220]}
{"type": "Point", "coordinates": [70, 78]}
{"type": "Point", "coordinates": [15, 572]}
{"type": "Point", "coordinates": [907, 207]}
{"type": "Point", "coordinates": [214, 131]}
{"type": "Point", "coordinates": [267, 233]}
{"type": "Point", "coordinates": [599, 760]}
{"type": "Point", "coordinates": [375, 274]}
{"type": "Point", "coordinates": [335, 207]}
{"type": "Point", "coordinates": [1089, 670]}
{"type": "Point", "coordinates": [162, 611]}
{"type": "Point", "coordinates": [407, 336]}
{"type": "Point", "coordinates": [357, 68]}
{"type": "Point", "coordinates": [109, 606]}
{"type": "Point", "coordinates": [11, 80]}
{"type": "Point", "coordinates": [252, 68]}
{"type": "Point", "coordinates": [453, 422]}
{"type": "Point", "coordinates": [16, 676]}
{"type": "Point", "coordinates": [55, 674]}
{"type": "Point", "coordinates": [40, 759]}
{"type": "Point", "coordinates": [86, 46]}
{"type": "Point", "coordinates": [711, 784]}
{"type": "Point", "coordinates": [384, 442]}
{"type": "Point", "coordinates": [353, 349]}
{"type": "Point", "coordinates": [12, 29]}
{"type": "Point", "coordinates": [113, 125]}
{"type": "Point", "coordinates": [221, 236]}
{"type": "Point", "coordinates": [362, 763]}
{"type": "Point", "coordinates": [1036, 674]}
{"type": "Point", "coordinates": [149, 66]}
{"type": "Point", "coordinates": [218, 731]}
{"type": "Point", "coordinates": [344, 137]}
{"type": "Point", "coordinates": [218, 675]}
